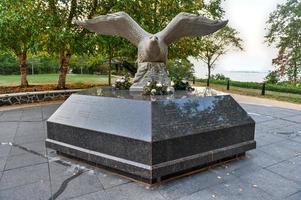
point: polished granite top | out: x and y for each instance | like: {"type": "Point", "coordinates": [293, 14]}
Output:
{"type": "Point", "coordinates": [126, 94]}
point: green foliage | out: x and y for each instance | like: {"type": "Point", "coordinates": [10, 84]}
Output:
{"type": "Point", "coordinates": [219, 77]}
{"type": "Point", "coordinates": [21, 25]}
{"type": "Point", "coordinates": [287, 88]}
{"type": "Point", "coordinates": [8, 64]}
{"type": "Point", "coordinates": [284, 26]}
{"type": "Point", "coordinates": [272, 77]}
{"type": "Point", "coordinates": [180, 69]}
{"type": "Point", "coordinates": [213, 46]}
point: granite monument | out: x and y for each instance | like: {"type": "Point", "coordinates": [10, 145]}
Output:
{"type": "Point", "coordinates": [146, 137]}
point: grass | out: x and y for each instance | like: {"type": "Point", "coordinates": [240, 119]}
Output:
{"type": "Point", "coordinates": [281, 96]}
{"type": "Point", "coordinates": [89, 80]}
{"type": "Point", "coordinates": [14, 80]}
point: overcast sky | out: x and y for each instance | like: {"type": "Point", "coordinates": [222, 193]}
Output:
{"type": "Point", "coordinates": [249, 18]}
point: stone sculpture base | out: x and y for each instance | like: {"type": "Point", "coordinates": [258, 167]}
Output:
{"type": "Point", "coordinates": [149, 71]}
{"type": "Point", "coordinates": [150, 140]}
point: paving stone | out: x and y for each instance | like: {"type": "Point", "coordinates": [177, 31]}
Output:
{"type": "Point", "coordinates": [109, 180]}
{"type": "Point", "coordinates": [277, 150]}
{"type": "Point", "coordinates": [23, 176]}
{"type": "Point", "coordinates": [30, 128]}
{"type": "Point", "coordinates": [210, 193]}
{"type": "Point", "coordinates": [297, 138]}
{"type": "Point", "coordinates": [272, 183]}
{"type": "Point", "coordinates": [5, 149]}
{"type": "Point", "coordinates": [230, 190]}
{"type": "Point", "coordinates": [83, 184]}
{"type": "Point", "coordinates": [292, 145]}
{"type": "Point", "coordinates": [12, 116]}
{"type": "Point", "coordinates": [128, 191]}
{"type": "Point", "coordinates": [8, 131]}
{"type": "Point", "coordinates": [37, 147]}
{"type": "Point", "coordinates": [267, 139]}
{"type": "Point", "coordinates": [29, 139]}
{"type": "Point", "coordinates": [296, 196]}
{"type": "Point", "coordinates": [296, 160]}
{"type": "Point", "coordinates": [2, 164]}
{"type": "Point", "coordinates": [32, 114]}
{"type": "Point", "coordinates": [277, 123]}
{"type": "Point", "coordinates": [189, 185]}
{"type": "Point", "coordinates": [23, 160]}
{"type": "Point", "coordinates": [287, 169]}
{"type": "Point", "coordinates": [261, 158]}
{"type": "Point", "coordinates": [35, 191]}
{"type": "Point", "coordinates": [47, 111]}
{"type": "Point", "coordinates": [260, 118]}
{"type": "Point", "coordinates": [294, 118]}
{"type": "Point", "coordinates": [237, 168]}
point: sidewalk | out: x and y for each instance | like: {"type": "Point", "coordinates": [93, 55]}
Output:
{"type": "Point", "coordinates": [265, 102]}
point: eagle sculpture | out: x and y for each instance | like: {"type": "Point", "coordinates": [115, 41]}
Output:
{"type": "Point", "coordinates": [152, 48]}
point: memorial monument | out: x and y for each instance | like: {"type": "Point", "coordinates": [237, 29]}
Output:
{"type": "Point", "coordinates": [146, 137]}
{"type": "Point", "coordinates": [152, 48]}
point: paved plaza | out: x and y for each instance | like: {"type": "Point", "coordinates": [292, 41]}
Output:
{"type": "Point", "coordinates": [30, 171]}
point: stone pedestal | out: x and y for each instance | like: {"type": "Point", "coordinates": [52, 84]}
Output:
{"type": "Point", "coordinates": [150, 139]}
{"type": "Point", "coordinates": [149, 71]}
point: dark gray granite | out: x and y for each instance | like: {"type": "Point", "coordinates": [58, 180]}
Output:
{"type": "Point", "coordinates": [235, 180]}
{"type": "Point", "coordinates": [150, 137]}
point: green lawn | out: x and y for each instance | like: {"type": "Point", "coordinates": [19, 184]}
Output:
{"type": "Point", "coordinates": [14, 80]}
{"type": "Point", "coordinates": [281, 96]}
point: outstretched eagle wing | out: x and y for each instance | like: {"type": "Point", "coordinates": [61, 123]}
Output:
{"type": "Point", "coordinates": [116, 24]}
{"type": "Point", "coordinates": [186, 24]}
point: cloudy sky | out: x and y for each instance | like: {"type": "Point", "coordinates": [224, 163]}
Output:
{"type": "Point", "coordinates": [249, 18]}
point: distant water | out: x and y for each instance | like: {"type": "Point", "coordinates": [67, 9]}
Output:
{"type": "Point", "coordinates": [244, 76]}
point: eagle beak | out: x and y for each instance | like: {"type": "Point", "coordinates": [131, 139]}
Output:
{"type": "Point", "coordinates": [153, 38]}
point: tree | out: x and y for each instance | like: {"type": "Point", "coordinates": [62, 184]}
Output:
{"type": "Point", "coordinates": [213, 46]}
{"type": "Point", "coordinates": [283, 31]}
{"type": "Point", "coordinates": [272, 77]}
{"type": "Point", "coordinates": [21, 24]}
{"type": "Point", "coordinates": [65, 38]}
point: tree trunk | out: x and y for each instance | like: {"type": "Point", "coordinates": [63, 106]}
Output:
{"type": "Point", "coordinates": [65, 57]}
{"type": "Point", "coordinates": [110, 65]}
{"type": "Point", "coordinates": [23, 69]}
{"type": "Point", "coordinates": [209, 75]}
{"type": "Point", "coordinates": [295, 73]}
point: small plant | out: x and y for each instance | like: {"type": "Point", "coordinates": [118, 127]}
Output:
{"type": "Point", "coordinates": [123, 83]}
{"type": "Point", "coordinates": [155, 88]}
{"type": "Point", "coordinates": [182, 85]}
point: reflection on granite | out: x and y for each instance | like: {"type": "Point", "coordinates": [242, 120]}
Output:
{"type": "Point", "coordinates": [149, 137]}
{"type": "Point", "coordinates": [126, 94]}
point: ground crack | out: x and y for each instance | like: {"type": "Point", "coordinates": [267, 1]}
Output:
{"type": "Point", "coordinates": [65, 184]}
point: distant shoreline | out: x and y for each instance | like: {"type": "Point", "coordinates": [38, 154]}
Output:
{"type": "Point", "coordinates": [243, 76]}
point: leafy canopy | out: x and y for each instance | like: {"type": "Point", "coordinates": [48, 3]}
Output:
{"type": "Point", "coordinates": [21, 24]}
{"type": "Point", "coordinates": [283, 31]}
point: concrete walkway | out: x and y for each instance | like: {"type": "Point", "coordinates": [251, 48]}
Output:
{"type": "Point", "coordinates": [265, 102]}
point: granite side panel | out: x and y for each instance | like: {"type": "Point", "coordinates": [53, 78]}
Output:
{"type": "Point", "coordinates": [127, 148]}
{"type": "Point", "coordinates": [179, 147]}
{"type": "Point", "coordinates": [201, 160]}
{"type": "Point", "coordinates": [120, 167]}
{"type": "Point", "coordinates": [181, 117]}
